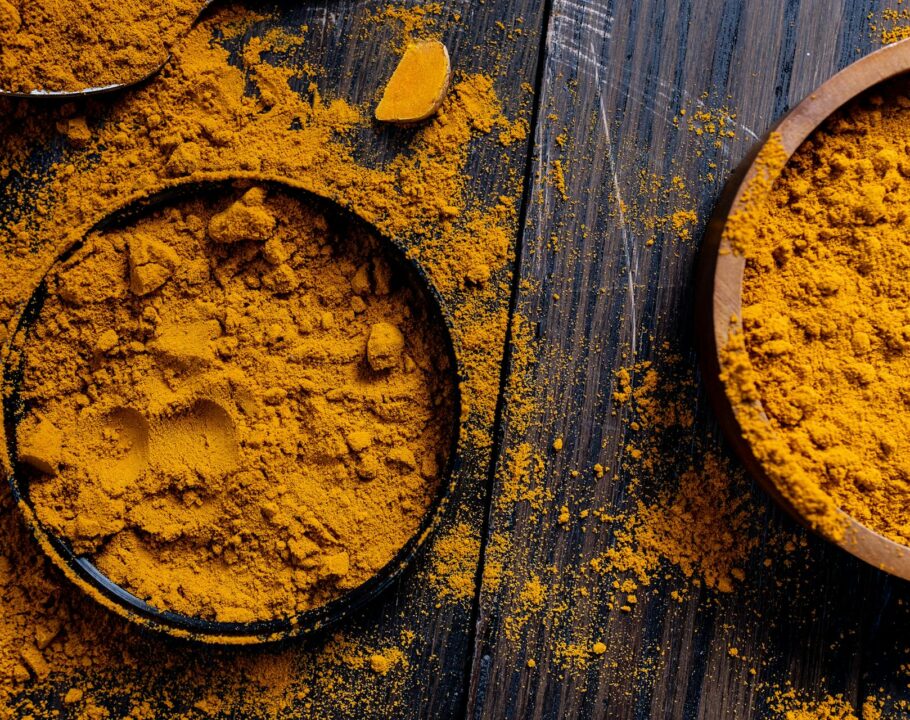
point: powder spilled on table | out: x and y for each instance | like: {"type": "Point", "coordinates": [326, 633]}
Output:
{"type": "Point", "coordinates": [230, 103]}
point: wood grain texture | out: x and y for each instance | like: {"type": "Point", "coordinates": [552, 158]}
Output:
{"type": "Point", "coordinates": [615, 76]}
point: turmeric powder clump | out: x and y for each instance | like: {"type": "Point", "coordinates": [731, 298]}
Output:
{"type": "Point", "coordinates": [238, 406]}
{"type": "Point", "coordinates": [826, 320]}
{"type": "Point", "coordinates": [71, 45]}
{"type": "Point", "coordinates": [418, 86]}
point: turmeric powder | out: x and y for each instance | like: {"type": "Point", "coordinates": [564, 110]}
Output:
{"type": "Point", "coordinates": [826, 319]}
{"type": "Point", "coordinates": [72, 45]}
{"type": "Point", "coordinates": [236, 408]}
{"type": "Point", "coordinates": [788, 704]}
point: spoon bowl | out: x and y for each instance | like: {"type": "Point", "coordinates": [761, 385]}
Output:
{"type": "Point", "coordinates": [40, 93]}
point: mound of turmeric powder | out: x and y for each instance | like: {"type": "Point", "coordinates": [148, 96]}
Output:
{"type": "Point", "coordinates": [71, 45]}
{"type": "Point", "coordinates": [826, 319]}
{"type": "Point", "coordinates": [237, 406]}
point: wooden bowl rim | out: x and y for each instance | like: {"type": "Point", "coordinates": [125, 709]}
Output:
{"type": "Point", "coordinates": [726, 280]}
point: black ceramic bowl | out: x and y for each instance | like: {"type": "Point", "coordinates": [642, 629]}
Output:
{"type": "Point", "coordinates": [81, 571]}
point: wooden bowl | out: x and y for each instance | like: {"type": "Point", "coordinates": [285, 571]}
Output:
{"type": "Point", "coordinates": [720, 284]}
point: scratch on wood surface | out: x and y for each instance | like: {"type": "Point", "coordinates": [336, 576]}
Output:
{"type": "Point", "coordinates": [563, 44]}
{"type": "Point", "coordinates": [542, 147]}
{"type": "Point", "coordinates": [586, 7]}
{"type": "Point", "coordinates": [631, 271]}
{"type": "Point", "coordinates": [581, 17]}
{"type": "Point", "coordinates": [574, 21]}
{"type": "Point", "coordinates": [326, 17]}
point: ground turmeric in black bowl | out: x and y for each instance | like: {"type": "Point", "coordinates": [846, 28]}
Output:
{"type": "Point", "coordinates": [238, 407]}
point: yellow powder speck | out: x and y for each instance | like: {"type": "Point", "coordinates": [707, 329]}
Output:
{"type": "Point", "coordinates": [682, 222]}
{"type": "Point", "coordinates": [454, 563]}
{"type": "Point", "coordinates": [790, 705]}
{"type": "Point", "coordinates": [893, 25]}
{"type": "Point", "coordinates": [558, 178]}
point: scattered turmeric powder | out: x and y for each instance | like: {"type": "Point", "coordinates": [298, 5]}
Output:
{"type": "Point", "coordinates": [418, 86]}
{"type": "Point", "coordinates": [788, 705]}
{"type": "Point", "coordinates": [71, 45]}
{"type": "Point", "coordinates": [891, 25]}
{"type": "Point", "coordinates": [698, 526]}
{"type": "Point", "coordinates": [824, 319]}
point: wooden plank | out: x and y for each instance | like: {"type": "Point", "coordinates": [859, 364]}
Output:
{"type": "Point", "coordinates": [347, 50]}
{"type": "Point", "coordinates": [616, 77]}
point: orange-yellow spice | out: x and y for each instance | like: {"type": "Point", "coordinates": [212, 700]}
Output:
{"type": "Point", "coordinates": [72, 45]}
{"type": "Point", "coordinates": [825, 335]}
{"type": "Point", "coordinates": [199, 118]}
{"type": "Point", "coordinates": [239, 406]}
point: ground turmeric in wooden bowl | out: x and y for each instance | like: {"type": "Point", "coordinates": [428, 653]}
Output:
{"type": "Point", "coordinates": [805, 296]}
{"type": "Point", "coordinates": [231, 411]}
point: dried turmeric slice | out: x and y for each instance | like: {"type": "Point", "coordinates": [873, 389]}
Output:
{"type": "Point", "coordinates": [418, 86]}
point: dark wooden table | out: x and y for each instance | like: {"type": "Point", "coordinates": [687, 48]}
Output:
{"type": "Point", "coordinates": [610, 78]}
{"type": "Point", "coordinates": [616, 75]}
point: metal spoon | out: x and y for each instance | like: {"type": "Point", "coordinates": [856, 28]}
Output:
{"type": "Point", "coordinates": [100, 89]}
